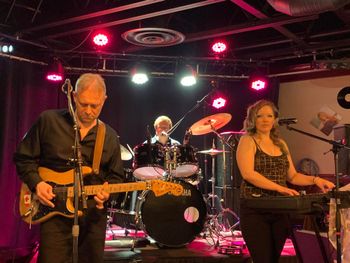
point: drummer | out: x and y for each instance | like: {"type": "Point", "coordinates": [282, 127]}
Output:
{"type": "Point", "coordinates": [162, 125]}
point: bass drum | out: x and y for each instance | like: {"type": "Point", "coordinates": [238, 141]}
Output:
{"type": "Point", "coordinates": [172, 221]}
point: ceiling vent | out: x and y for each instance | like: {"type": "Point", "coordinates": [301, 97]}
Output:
{"type": "Point", "coordinates": [306, 7]}
{"type": "Point", "coordinates": [153, 37]}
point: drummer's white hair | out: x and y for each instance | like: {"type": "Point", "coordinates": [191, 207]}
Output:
{"type": "Point", "coordinates": [161, 119]}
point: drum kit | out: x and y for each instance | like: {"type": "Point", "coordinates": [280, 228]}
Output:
{"type": "Point", "coordinates": [174, 221]}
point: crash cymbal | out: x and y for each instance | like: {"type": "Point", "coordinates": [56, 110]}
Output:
{"type": "Point", "coordinates": [211, 151]}
{"type": "Point", "coordinates": [125, 154]}
{"type": "Point", "coordinates": [210, 123]}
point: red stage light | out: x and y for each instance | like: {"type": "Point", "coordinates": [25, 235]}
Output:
{"type": "Point", "coordinates": [219, 47]}
{"type": "Point", "coordinates": [258, 84]}
{"type": "Point", "coordinates": [219, 103]}
{"type": "Point", "coordinates": [55, 71]}
{"type": "Point", "coordinates": [54, 77]}
{"type": "Point", "coordinates": [100, 39]}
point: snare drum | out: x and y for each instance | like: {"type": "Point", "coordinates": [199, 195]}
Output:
{"type": "Point", "coordinates": [170, 220]}
{"type": "Point", "coordinates": [186, 161]}
{"type": "Point", "coordinates": [148, 161]}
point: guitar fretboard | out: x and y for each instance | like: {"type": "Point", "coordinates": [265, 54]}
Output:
{"type": "Point", "coordinates": [112, 188]}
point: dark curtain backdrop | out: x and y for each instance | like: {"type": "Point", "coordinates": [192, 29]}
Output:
{"type": "Point", "coordinates": [128, 109]}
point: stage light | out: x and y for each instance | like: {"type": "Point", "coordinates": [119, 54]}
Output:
{"type": "Point", "coordinates": [258, 80]}
{"type": "Point", "coordinates": [219, 102]}
{"type": "Point", "coordinates": [188, 76]}
{"type": "Point", "coordinates": [55, 71]}
{"type": "Point", "coordinates": [6, 48]}
{"type": "Point", "coordinates": [258, 84]}
{"type": "Point", "coordinates": [139, 74]}
{"type": "Point", "coordinates": [219, 47]}
{"type": "Point", "coordinates": [100, 39]}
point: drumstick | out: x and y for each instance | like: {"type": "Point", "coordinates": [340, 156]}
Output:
{"type": "Point", "coordinates": [132, 152]}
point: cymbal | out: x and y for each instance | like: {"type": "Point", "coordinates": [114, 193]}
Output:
{"type": "Point", "coordinates": [125, 154]}
{"type": "Point", "coordinates": [212, 151]}
{"type": "Point", "coordinates": [232, 132]}
{"type": "Point", "coordinates": [210, 123]}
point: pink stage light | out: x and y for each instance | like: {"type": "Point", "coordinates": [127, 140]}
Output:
{"type": "Point", "coordinates": [219, 103]}
{"type": "Point", "coordinates": [55, 71]}
{"type": "Point", "coordinates": [100, 39]}
{"type": "Point", "coordinates": [54, 77]}
{"type": "Point", "coordinates": [258, 84]}
{"type": "Point", "coordinates": [219, 47]}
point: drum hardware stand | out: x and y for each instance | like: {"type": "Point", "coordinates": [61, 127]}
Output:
{"type": "Point", "coordinates": [216, 222]}
{"type": "Point", "coordinates": [170, 163]}
{"type": "Point", "coordinates": [224, 190]}
{"type": "Point", "coordinates": [212, 196]}
{"type": "Point", "coordinates": [110, 216]}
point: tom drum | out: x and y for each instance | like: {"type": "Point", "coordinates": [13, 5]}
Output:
{"type": "Point", "coordinates": [148, 161]}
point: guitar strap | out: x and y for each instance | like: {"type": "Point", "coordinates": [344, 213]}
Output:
{"type": "Point", "coordinates": [100, 138]}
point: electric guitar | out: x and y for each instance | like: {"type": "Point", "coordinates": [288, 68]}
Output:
{"type": "Point", "coordinates": [33, 212]}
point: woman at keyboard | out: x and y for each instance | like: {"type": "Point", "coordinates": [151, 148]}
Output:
{"type": "Point", "coordinates": [266, 166]}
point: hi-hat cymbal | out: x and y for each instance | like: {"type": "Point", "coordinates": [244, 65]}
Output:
{"type": "Point", "coordinates": [125, 154]}
{"type": "Point", "coordinates": [232, 133]}
{"type": "Point", "coordinates": [211, 151]}
{"type": "Point", "coordinates": [210, 123]}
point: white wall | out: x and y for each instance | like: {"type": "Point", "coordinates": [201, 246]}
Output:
{"type": "Point", "coordinates": [303, 100]}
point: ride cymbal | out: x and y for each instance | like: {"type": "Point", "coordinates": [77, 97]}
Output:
{"type": "Point", "coordinates": [210, 123]}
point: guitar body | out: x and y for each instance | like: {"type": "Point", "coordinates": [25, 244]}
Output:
{"type": "Point", "coordinates": [33, 212]}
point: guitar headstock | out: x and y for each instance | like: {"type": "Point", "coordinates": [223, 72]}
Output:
{"type": "Point", "coordinates": [160, 188]}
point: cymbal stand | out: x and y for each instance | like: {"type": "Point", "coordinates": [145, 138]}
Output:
{"type": "Point", "coordinates": [212, 196]}
{"type": "Point", "coordinates": [224, 209]}
{"type": "Point", "coordinates": [110, 217]}
{"type": "Point", "coordinates": [214, 226]}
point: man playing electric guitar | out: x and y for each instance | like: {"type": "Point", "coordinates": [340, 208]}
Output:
{"type": "Point", "coordinates": [48, 144]}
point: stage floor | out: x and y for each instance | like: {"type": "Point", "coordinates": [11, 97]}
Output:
{"type": "Point", "coordinates": [221, 247]}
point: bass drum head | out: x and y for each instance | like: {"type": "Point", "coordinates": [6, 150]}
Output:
{"type": "Point", "coordinates": [173, 221]}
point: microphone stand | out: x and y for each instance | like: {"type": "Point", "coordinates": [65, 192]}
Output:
{"type": "Point", "coordinates": [78, 175]}
{"type": "Point", "coordinates": [198, 103]}
{"type": "Point", "coordinates": [335, 149]}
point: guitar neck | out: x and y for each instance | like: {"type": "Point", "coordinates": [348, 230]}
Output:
{"type": "Point", "coordinates": [112, 188]}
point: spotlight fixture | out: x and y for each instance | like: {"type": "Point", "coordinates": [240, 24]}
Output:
{"type": "Point", "coordinates": [55, 71]}
{"type": "Point", "coordinates": [6, 48]}
{"type": "Point", "coordinates": [258, 80]}
{"type": "Point", "coordinates": [139, 74]}
{"type": "Point", "coordinates": [100, 39]}
{"type": "Point", "coordinates": [219, 47]}
{"type": "Point", "coordinates": [188, 76]}
{"type": "Point", "coordinates": [219, 102]}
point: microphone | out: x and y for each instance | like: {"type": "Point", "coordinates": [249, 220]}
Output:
{"type": "Point", "coordinates": [287, 121]}
{"type": "Point", "coordinates": [187, 136]}
{"type": "Point", "coordinates": [163, 133]}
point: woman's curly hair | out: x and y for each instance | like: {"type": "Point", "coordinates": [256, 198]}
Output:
{"type": "Point", "coordinates": [250, 122]}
